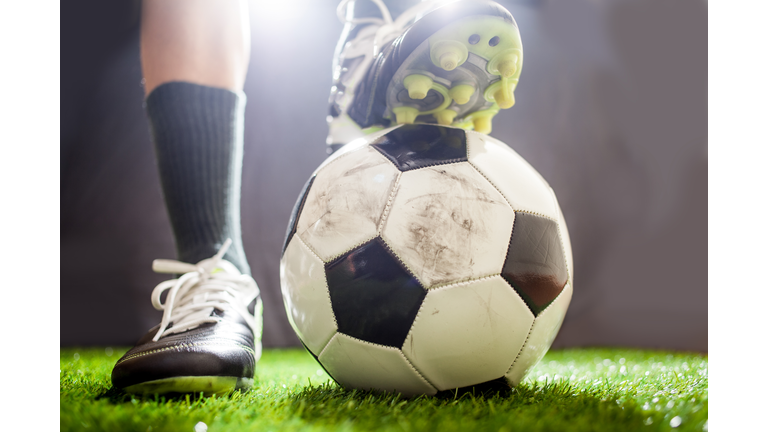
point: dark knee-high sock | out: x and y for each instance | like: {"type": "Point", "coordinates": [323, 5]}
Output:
{"type": "Point", "coordinates": [198, 136]}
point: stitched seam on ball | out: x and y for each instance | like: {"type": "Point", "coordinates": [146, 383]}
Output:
{"type": "Point", "coordinates": [472, 164]}
{"type": "Point", "coordinates": [387, 207]}
{"type": "Point", "coordinates": [300, 233]}
{"type": "Point", "coordinates": [326, 347]}
{"type": "Point", "coordinates": [536, 214]}
{"type": "Point", "coordinates": [460, 283]}
{"type": "Point", "coordinates": [519, 353]}
{"type": "Point", "coordinates": [565, 256]}
{"type": "Point", "coordinates": [184, 345]}
{"type": "Point", "coordinates": [413, 368]}
{"type": "Point", "coordinates": [444, 162]}
{"type": "Point", "coordinates": [338, 255]}
{"type": "Point", "coordinates": [311, 249]}
{"type": "Point", "coordinates": [325, 283]}
{"type": "Point", "coordinates": [421, 308]}
{"type": "Point", "coordinates": [400, 260]}
{"type": "Point", "coordinates": [413, 325]}
{"type": "Point", "coordinates": [554, 300]}
{"type": "Point", "coordinates": [560, 236]}
{"type": "Point", "coordinates": [398, 350]}
{"type": "Point", "coordinates": [491, 183]}
{"type": "Point", "coordinates": [505, 197]}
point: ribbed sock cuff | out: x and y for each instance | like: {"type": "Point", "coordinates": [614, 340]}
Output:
{"type": "Point", "coordinates": [198, 136]}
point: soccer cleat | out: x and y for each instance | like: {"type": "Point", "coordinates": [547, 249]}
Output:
{"type": "Point", "coordinates": [450, 63]}
{"type": "Point", "coordinates": [207, 342]}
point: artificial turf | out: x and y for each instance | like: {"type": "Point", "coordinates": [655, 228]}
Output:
{"type": "Point", "coordinates": [569, 390]}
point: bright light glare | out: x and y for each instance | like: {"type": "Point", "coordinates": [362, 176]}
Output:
{"type": "Point", "coordinates": [276, 10]}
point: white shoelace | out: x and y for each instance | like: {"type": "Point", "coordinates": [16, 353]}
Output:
{"type": "Point", "coordinates": [210, 284]}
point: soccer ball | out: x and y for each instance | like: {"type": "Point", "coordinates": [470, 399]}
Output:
{"type": "Point", "coordinates": [424, 258]}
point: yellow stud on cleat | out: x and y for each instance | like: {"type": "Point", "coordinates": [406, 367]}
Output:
{"type": "Point", "coordinates": [480, 120]}
{"type": "Point", "coordinates": [445, 117]}
{"type": "Point", "coordinates": [450, 60]}
{"type": "Point", "coordinates": [482, 124]}
{"type": "Point", "coordinates": [417, 85]}
{"type": "Point", "coordinates": [448, 54]}
{"type": "Point", "coordinates": [405, 114]}
{"type": "Point", "coordinates": [508, 68]}
{"type": "Point", "coordinates": [502, 92]}
{"type": "Point", "coordinates": [461, 93]}
{"type": "Point", "coordinates": [504, 97]}
{"type": "Point", "coordinates": [505, 63]}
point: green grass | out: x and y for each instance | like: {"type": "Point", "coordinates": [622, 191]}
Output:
{"type": "Point", "coordinates": [570, 390]}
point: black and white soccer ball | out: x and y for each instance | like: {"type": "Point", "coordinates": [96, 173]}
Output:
{"type": "Point", "coordinates": [425, 258]}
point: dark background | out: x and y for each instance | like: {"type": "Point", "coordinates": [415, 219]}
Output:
{"type": "Point", "coordinates": [611, 110]}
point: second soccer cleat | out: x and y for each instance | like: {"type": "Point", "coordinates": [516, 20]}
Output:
{"type": "Point", "coordinates": [207, 342]}
{"type": "Point", "coordinates": [450, 63]}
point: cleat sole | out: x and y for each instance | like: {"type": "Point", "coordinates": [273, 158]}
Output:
{"type": "Point", "coordinates": [448, 54]}
{"type": "Point", "coordinates": [479, 58]}
{"type": "Point", "coordinates": [208, 385]}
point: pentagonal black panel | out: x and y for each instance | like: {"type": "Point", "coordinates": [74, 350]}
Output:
{"type": "Point", "coordinates": [419, 145]}
{"type": "Point", "coordinates": [373, 296]}
{"type": "Point", "coordinates": [535, 264]}
{"type": "Point", "coordinates": [296, 212]}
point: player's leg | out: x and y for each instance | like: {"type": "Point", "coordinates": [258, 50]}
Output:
{"type": "Point", "coordinates": [450, 63]}
{"type": "Point", "coordinates": [194, 58]}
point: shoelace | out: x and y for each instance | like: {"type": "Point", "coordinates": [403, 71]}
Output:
{"type": "Point", "coordinates": [384, 29]}
{"type": "Point", "coordinates": [210, 284]}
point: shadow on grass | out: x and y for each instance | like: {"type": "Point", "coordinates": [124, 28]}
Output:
{"type": "Point", "coordinates": [533, 406]}
{"type": "Point", "coordinates": [117, 396]}
{"type": "Point", "coordinates": [114, 396]}
{"type": "Point", "coordinates": [494, 388]}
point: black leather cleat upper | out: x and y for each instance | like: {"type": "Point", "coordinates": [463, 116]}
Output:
{"type": "Point", "coordinates": [208, 340]}
{"type": "Point", "coordinates": [222, 349]}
